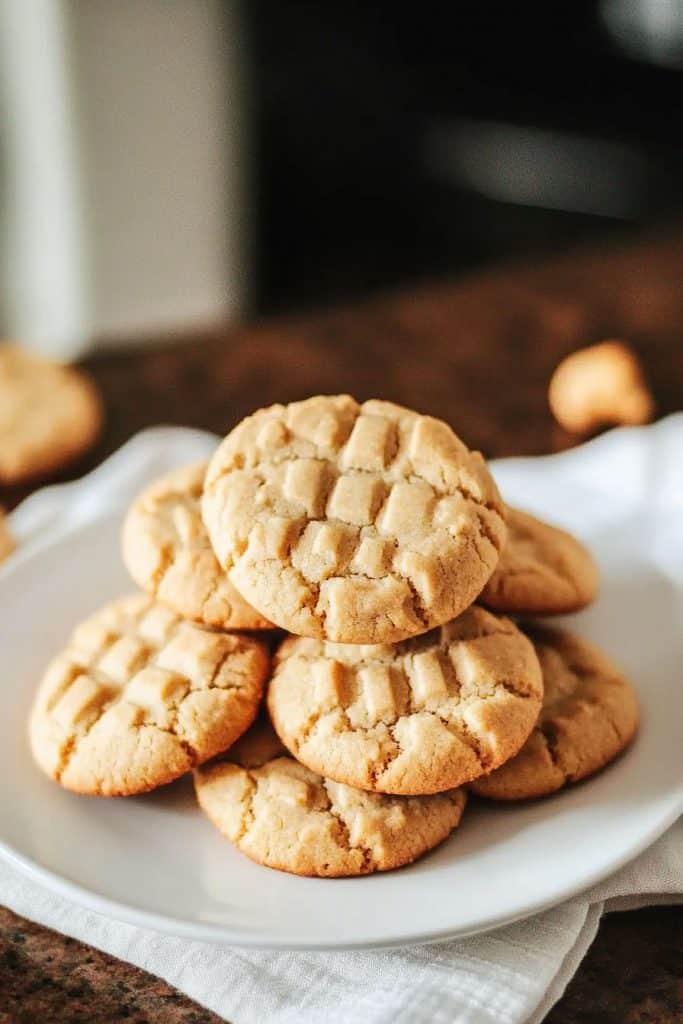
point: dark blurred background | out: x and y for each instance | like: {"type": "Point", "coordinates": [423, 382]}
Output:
{"type": "Point", "coordinates": [170, 165]}
{"type": "Point", "coordinates": [398, 142]}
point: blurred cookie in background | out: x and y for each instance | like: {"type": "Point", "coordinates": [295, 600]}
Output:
{"type": "Point", "coordinates": [49, 415]}
{"type": "Point", "coordinates": [600, 386]}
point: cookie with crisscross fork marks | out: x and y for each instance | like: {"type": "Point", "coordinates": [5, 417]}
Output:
{"type": "Point", "coordinates": [168, 553]}
{"type": "Point", "coordinates": [542, 570]}
{"type": "Point", "coordinates": [139, 697]}
{"type": "Point", "coordinates": [353, 523]}
{"type": "Point", "coordinates": [419, 717]}
{"type": "Point", "coordinates": [284, 816]}
{"type": "Point", "coordinates": [589, 715]}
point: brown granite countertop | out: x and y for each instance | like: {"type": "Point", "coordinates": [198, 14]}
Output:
{"type": "Point", "coordinates": [479, 353]}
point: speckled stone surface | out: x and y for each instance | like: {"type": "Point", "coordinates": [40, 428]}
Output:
{"type": "Point", "coordinates": [47, 978]}
{"type": "Point", "coordinates": [633, 973]}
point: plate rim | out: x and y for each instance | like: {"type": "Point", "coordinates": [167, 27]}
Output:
{"type": "Point", "coordinates": [166, 924]}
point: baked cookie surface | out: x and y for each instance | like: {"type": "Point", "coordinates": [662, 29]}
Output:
{"type": "Point", "coordinates": [284, 816]}
{"type": "Point", "coordinates": [353, 523]}
{"type": "Point", "coordinates": [49, 415]}
{"type": "Point", "coordinates": [167, 551]}
{"type": "Point", "coordinates": [420, 717]}
{"type": "Point", "coordinates": [589, 715]}
{"type": "Point", "coordinates": [139, 696]}
{"type": "Point", "coordinates": [542, 570]}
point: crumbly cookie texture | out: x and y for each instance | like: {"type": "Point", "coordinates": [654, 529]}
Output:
{"type": "Point", "coordinates": [7, 544]}
{"type": "Point", "coordinates": [167, 551]}
{"type": "Point", "coordinates": [542, 570]}
{"type": "Point", "coordinates": [139, 697]}
{"type": "Point", "coordinates": [49, 414]}
{"type": "Point", "coordinates": [589, 715]}
{"type": "Point", "coordinates": [420, 717]}
{"type": "Point", "coordinates": [352, 523]}
{"type": "Point", "coordinates": [284, 816]}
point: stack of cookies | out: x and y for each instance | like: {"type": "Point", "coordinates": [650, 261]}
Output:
{"type": "Point", "coordinates": [379, 543]}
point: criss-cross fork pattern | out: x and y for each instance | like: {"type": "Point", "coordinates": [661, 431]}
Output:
{"type": "Point", "coordinates": [432, 711]}
{"type": "Point", "coordinates": [441, 672]}
{"type": "Point", "coordinates": [349, 499]}
{"type": "Point", "coordinates": [137, 664]}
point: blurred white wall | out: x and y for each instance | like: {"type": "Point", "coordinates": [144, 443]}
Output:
{"type": "Point", "coordinates": [124, 205]}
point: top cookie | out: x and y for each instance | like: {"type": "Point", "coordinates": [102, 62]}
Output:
{"type": "Point", "coordinates": [589, 714]}
{"type": "Point", "coordinates": [417, 717]}
{"type": "Point", "coordinates": [542, 570]}
{"type": "Point", "coordinates": [353, 523]}
{"type": "Point", "coordinates": [167, 551]}
{"type": "Point", "coordinates": [140, 696]}
{"type": "Point", "coordinates": [49, 414]}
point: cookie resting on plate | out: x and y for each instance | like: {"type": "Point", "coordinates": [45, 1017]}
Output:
{"type": "Point", "coordinates": [542, 570]}
{"type": "Point", "coordinates": [419, 717]}
{"type": "Point", "coordinates": [589, 715]}
{"type": "Point", "coordinates": [167, 551]}
{"type": "Point", "coordinates": [139, 697]}
{"type": "Point", "coordinates": [285, 816]}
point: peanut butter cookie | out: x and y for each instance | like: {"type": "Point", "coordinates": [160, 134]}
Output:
{"type": "Point", "coordinates": [282, 815]}
{"type": "Point", "coordinates": [589, 714]}
{"type": "Point", "coordinates": [420, 717]}
{"type": "Point", "coordinates": [49, 415]}
{"type": "Point", "coordinates": [139, 697]}
{"type": "Point", "coordinates": [167, 551]}
{"type": "Point", "coordinates": [600, 385]}
{"type": "Point", "coordinates": [352, 523]}
{"type": "Point", "coordinates": [542, 570]}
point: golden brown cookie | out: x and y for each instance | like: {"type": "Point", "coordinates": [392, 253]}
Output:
{"type": "Point", "coordinates": [352, 523]}
{"type": "Point", "coordinates": [167, 551]}
{"type": "Point", "coordinates": [589, 714]}
{"type": "Point", "coordinates": [600, 385]}
{"type": "Point", "coordinates": [139, 697]}
{"type": "Point", "coordinates": [282, 815]}
{"type": "Point", "coordinates": [542, 570]}
{"type": "Point", "coordinates": [420, 717]}
{"type": "Point", "coordinates": [7, 544]}
{"type": "Point", "coordinates": [49, 415]}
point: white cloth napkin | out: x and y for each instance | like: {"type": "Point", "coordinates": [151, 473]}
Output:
{"type": "Point", "coordinates": [508, 976]}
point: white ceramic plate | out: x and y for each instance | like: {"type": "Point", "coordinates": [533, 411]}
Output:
{"type": "Point", "coordinates": [156, 861]}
